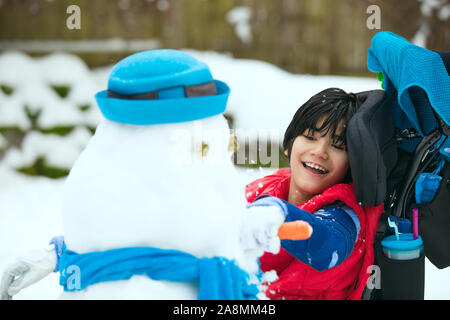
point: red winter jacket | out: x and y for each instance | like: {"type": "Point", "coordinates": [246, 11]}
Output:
{"type": "Point", "coordinates": [298, 281]}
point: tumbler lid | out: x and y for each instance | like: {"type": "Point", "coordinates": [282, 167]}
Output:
{"type": "Point", "coordinates": [406, 242]}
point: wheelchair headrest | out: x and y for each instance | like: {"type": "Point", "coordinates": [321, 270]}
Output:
{"type": "Point", "coordinates": [372, 146]}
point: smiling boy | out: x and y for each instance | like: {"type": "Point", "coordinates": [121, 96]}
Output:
{"type": "Point", "coordinates": [333, 262]}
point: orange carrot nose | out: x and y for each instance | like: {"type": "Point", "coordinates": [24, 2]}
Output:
{"type": "Point", "coordinates": [295, 230]}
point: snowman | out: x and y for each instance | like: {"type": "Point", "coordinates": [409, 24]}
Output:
{"type": "Point", "coordinates": [148, 208]}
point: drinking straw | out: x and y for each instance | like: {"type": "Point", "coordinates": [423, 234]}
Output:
{"type": "Point", "coordinates": [415, 222]}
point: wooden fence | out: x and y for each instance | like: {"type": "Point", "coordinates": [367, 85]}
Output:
{"type": "Point", "coordinates": [301, 36]}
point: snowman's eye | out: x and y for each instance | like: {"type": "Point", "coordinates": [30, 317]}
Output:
{"type": "Point", "coordinates": [204, 149]}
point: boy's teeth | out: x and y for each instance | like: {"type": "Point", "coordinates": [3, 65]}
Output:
{"type": "Point", "coordinates": [311, 165]}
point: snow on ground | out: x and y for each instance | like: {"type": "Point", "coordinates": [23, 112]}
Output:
{"type": "Point", "coordinates": [262, 97]}
{"type": "Point", "coordinates": [29, 217]}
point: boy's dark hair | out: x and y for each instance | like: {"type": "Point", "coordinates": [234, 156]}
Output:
{"type": "Point", "coordinates": [334, 104]}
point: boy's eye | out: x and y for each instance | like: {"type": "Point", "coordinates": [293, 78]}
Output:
{"type": "Point", "coordinates": [340, 147]}
{"type": "Point", "coordinates": [337, 145]}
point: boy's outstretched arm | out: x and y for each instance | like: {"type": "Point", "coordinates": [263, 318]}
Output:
{"type": "Point", "coordinates": [30, 268]}
{"type": "Point", "coordinates": [335, 230]}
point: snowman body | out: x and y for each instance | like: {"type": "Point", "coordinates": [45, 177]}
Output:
{"type": "Point", "coordinates": [167, 186]}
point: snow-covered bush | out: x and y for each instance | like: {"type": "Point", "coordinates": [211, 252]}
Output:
{"type": "Point", "coordinates": [47, 111]}
{"type": "Point", "coordinates": [3, 143]}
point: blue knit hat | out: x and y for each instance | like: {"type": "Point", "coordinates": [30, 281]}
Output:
{"type": "Point", "coordinates": [161, 86]}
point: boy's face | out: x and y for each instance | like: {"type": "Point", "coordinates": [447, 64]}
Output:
{"type": "Point", "coordinates": [329, 158]}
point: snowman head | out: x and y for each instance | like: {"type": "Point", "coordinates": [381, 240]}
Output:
{"type": "Point", "coordinates": [161, 86]}
{"type": "Point", "coordinates": [168, 86]}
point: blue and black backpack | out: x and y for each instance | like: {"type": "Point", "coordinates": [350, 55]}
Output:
{"type": "Point", "coordinates": [399, 154]}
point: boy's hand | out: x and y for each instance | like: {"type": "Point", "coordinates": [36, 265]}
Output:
{"type": "Point", "coordinates": [263, 225]}
{"type": "Point", "coordinates": [259, 229]}
{"type": "Point", "coordinates": [27, 270]}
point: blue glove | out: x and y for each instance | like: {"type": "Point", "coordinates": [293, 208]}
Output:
{"type": "Point", "coordinates": [334, 233]}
